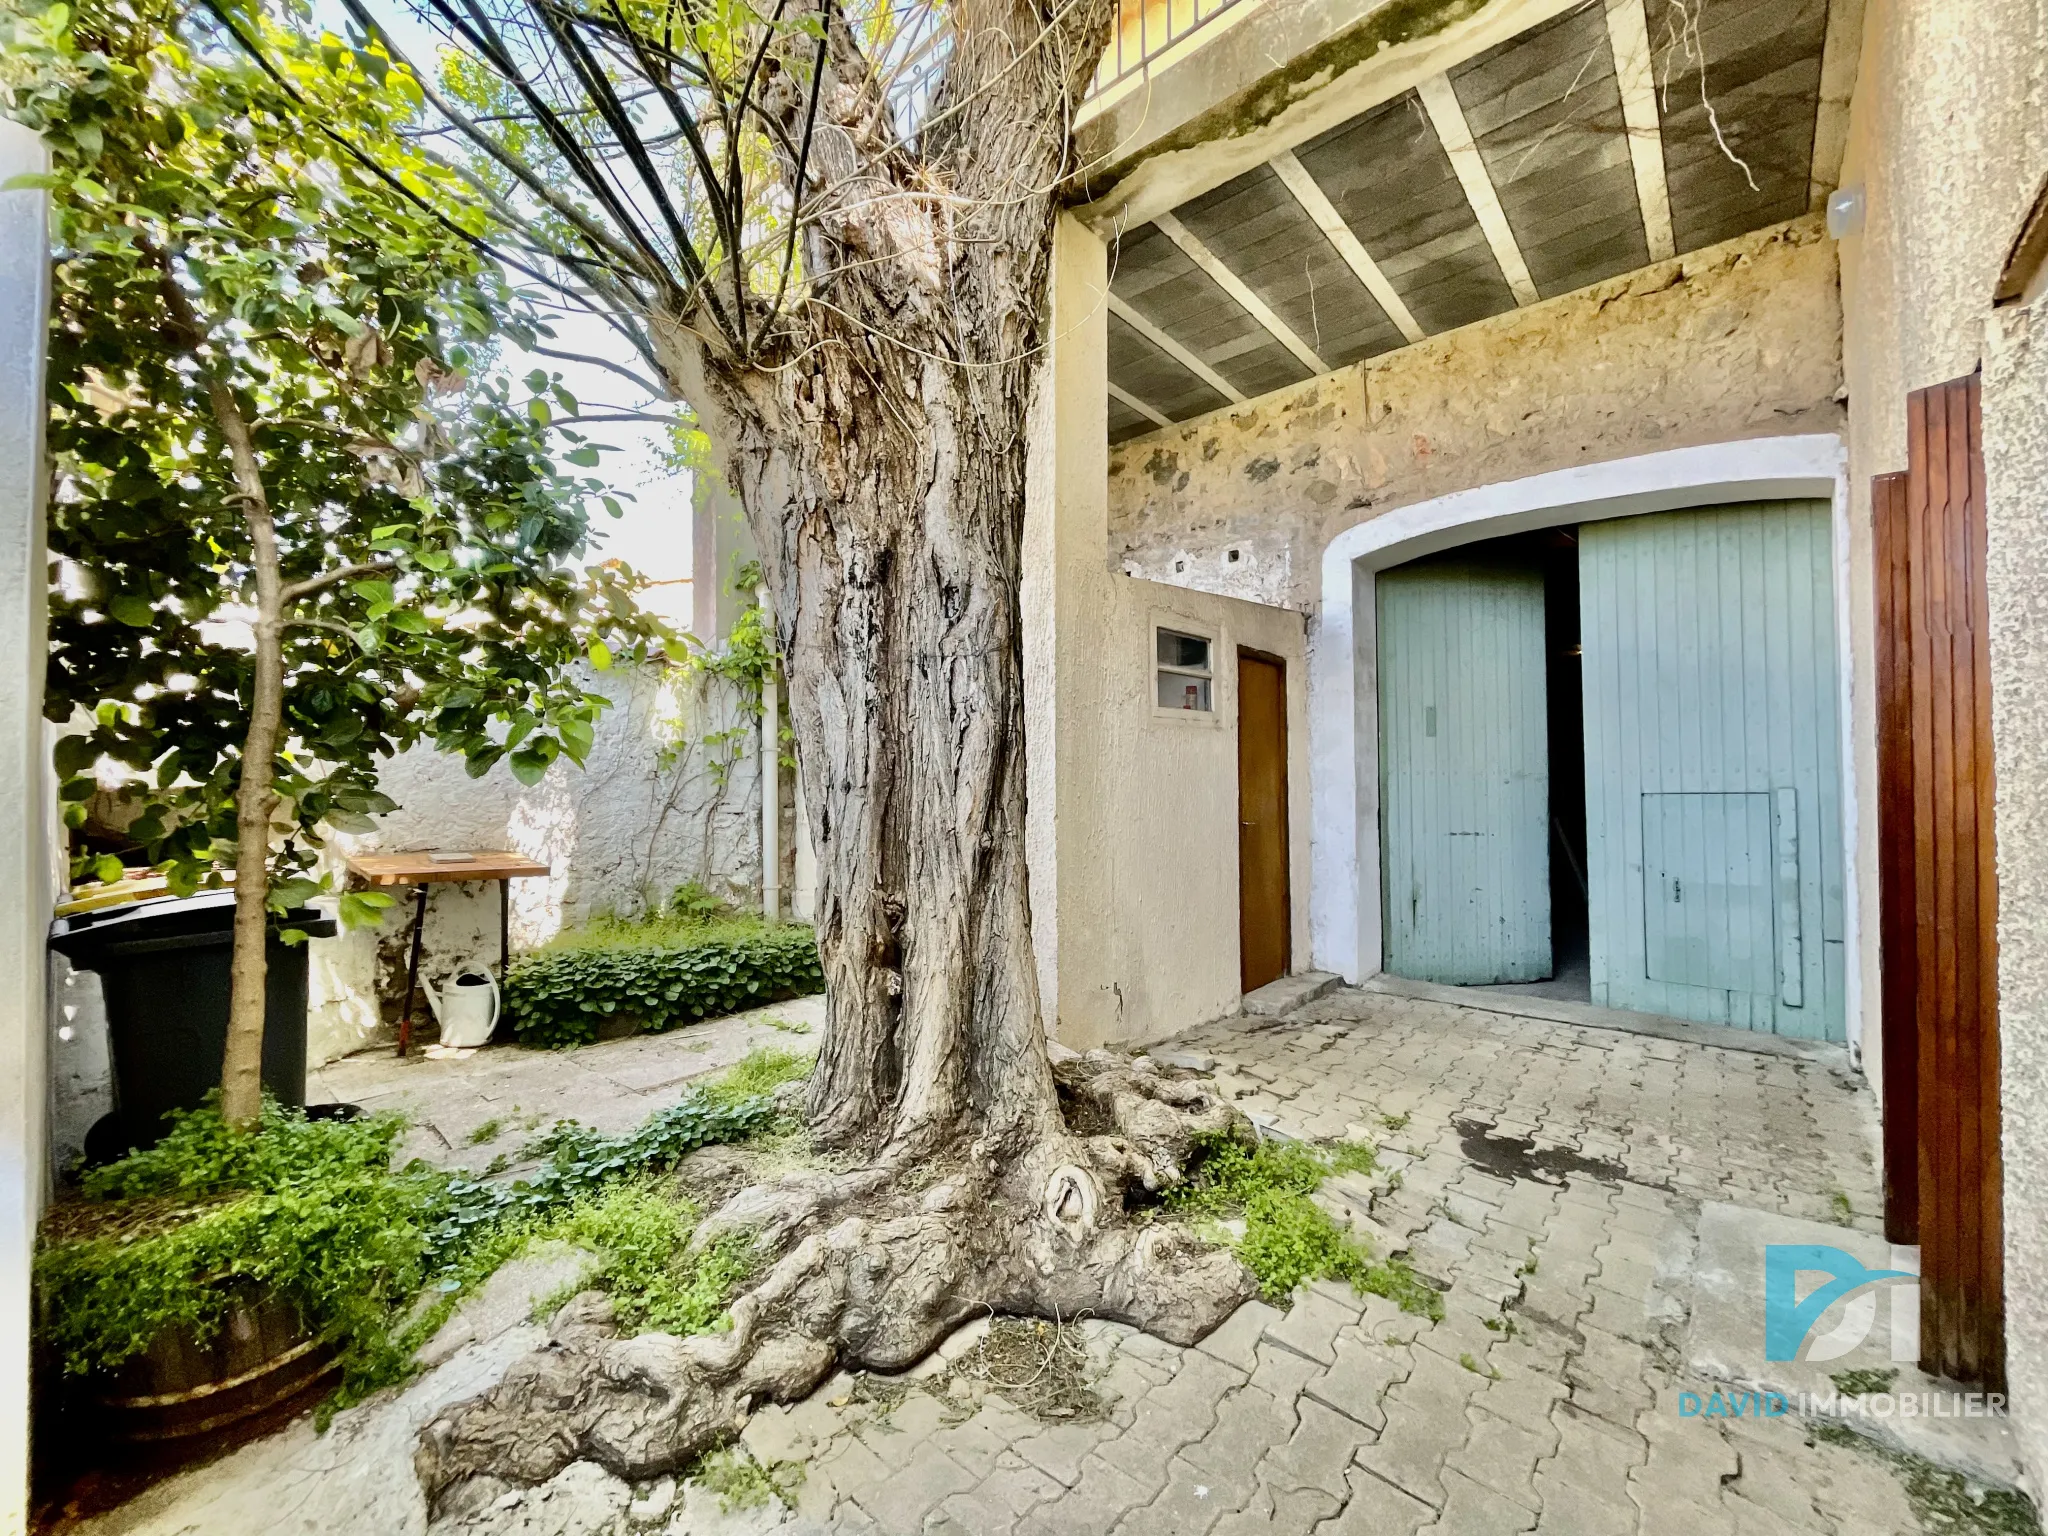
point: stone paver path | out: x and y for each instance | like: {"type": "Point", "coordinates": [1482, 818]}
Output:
{"type": "Point", "coordinates": [1551, 1177]}
{"type": "Point", "coordinates": [467, 1109]}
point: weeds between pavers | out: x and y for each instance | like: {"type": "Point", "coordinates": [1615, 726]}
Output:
{"type": "Point", "coordinates": [1288, 1239]}
{"type": "Point", "coordinates": [1943, 1502]}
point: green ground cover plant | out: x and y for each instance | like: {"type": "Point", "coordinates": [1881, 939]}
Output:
{"type": "Point", "coordinates": [1288, 1240]}
{"type": "Point", "coordinates": [660, 972]}
{"type": "Point", "coordinates": [173, 1239]}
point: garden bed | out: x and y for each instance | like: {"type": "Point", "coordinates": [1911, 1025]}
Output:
{"type": "Point", "coordinates": [309, 1218]}
{"type": "Point", "coordinates": [612, 978]}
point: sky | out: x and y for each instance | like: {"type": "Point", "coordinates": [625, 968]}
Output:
{"type": "Point", "coordinates": [654, 535]}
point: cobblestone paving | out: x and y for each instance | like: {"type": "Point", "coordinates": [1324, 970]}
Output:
{"type": "Point", "coordinates": [1550, 1176]}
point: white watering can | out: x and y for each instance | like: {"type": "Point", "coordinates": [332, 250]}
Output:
{"type": "Point", "coordinates": [466, 1007]}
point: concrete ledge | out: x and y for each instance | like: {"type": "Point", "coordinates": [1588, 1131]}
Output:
{"type": "Point", "coordinates": [1725, 1342]}
{"type": "Point", "coordinates": [1289, 993]}
{"type": "Point", "coordinates": [1556, 1011]}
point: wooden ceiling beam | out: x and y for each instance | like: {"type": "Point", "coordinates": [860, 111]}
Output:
{"type": "Point", "coordinates": [1324, 215]}
{"type": "Point", "coordinates": [1628, 31]}
{"type": "Point", "coordinates": [1122, 309]}
{"type": "Point", "coordinates": [1447, 116]}
{"type": "Point", "coordinates": [1219, 271]}
{"type": "Point", "coordinates": [1157, 418]}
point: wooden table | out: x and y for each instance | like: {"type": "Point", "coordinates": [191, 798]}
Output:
{"type": "Point", "coordinates": [435, 866]}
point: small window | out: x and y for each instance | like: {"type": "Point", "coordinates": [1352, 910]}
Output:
{"type": "Point", "coordinates": [1184, 675]}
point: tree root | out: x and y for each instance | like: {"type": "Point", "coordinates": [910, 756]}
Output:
{"type": "Point", "coordinates": [872, 1269]}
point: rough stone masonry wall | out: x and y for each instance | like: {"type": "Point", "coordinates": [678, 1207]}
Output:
{"type": "Point", "coordinates": [1738, 340]}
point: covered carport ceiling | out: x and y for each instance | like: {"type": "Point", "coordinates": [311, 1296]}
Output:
{"type": "Point", "coordinates": [1619, 133]}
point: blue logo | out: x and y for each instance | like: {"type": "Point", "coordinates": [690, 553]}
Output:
{"type": "Point", "coordinates": [1789, 1318]}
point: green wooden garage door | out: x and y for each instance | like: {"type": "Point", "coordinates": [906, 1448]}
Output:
{"type": "Point", "coordinates": [1713, 775]}
{"type": "Point", "coordinates": [1464, 774]}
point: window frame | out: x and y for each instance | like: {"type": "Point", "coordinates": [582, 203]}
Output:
{"type": "Point", "coordinates": [1179, 624]}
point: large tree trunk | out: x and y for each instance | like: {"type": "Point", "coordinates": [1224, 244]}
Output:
{"type": "Point", "coordinates": [894, 539]}
{"type": "Point", "coordinates": [881, 462]}
{"type": "Point", "coordinates": [880, 454]}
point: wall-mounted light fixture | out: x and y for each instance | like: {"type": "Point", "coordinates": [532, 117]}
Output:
{"type": "Point", "coordinates": [1845, 212]}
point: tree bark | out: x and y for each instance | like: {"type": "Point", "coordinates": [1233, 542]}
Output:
{"type": "Point", "coordinates": [881, 461]}
{"type": "Point", "coordinates": [241, 1078]}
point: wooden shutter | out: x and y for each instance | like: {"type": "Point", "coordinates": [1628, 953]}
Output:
{"type": "Point", "coordinates": [1897, 936]}
{"type": "Point", "coordinates": [1940, 695]}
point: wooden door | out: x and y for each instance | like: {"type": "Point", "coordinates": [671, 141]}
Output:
{"type": "Point", "coordinates": [1464, 772]}
{"type": "Point", "coordinates": [1264, 946]}
{"type": "Point", "coordinates": [1952, 889]}
{"type": "Point", "coordinates": [1714, 864]}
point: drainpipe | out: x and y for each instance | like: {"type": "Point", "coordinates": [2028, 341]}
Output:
{"type": "Point", "coordinates": [771, 782]}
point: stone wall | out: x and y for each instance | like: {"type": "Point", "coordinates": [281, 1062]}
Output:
{"type": "Point", "coordinates": [1738, 340]}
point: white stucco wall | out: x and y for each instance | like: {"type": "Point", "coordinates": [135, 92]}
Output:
{"type": "Point", "coordinates": [1133, 829]}
{"type": "Point", "coordinates": [650, 810]}
{"type": "Point", "coordinates": [26, 871]}
{"type": "Point", "coordinates": [1949, 142]}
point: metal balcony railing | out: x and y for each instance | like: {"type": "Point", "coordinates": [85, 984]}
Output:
{"type": "Point", "coordinates": [1148, 29]}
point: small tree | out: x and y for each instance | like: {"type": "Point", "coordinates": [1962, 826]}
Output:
{"type": "Point", "coordinates": [270, 398]}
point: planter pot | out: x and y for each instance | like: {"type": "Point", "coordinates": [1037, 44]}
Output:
{"type": "Point", "coordinates": [179, 1389]}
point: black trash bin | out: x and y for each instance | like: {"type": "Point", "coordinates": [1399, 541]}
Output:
{"type": "Point", "coordinates": [165, 970]}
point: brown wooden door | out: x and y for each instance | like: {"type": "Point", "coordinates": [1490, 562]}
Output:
{"type": "Point", "coordinates": [1938, 885]}
{"type": "Point", "coordinates": [1263, 949]}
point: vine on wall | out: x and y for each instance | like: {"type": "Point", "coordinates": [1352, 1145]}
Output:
{"type": "Point", "coordinates": [743, 662]}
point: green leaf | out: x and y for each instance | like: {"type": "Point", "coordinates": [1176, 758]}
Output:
{"type": "Point", "coordinates": [75, 753]}
{"type": "Point", "coordinates": [582, 458]}
{"type": "Point", "coordinates": [361, 909]}
{"type": "Point", "coordinates": [295, 891]}
{"type": "Point", "coordinates": [600, 656]}
{"type": "Point", "coordinates": [529, 767]}
{"type": "Point", "coordinates": [108, 867]}
{"type": "Point", "coordinates": [134, 611]}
